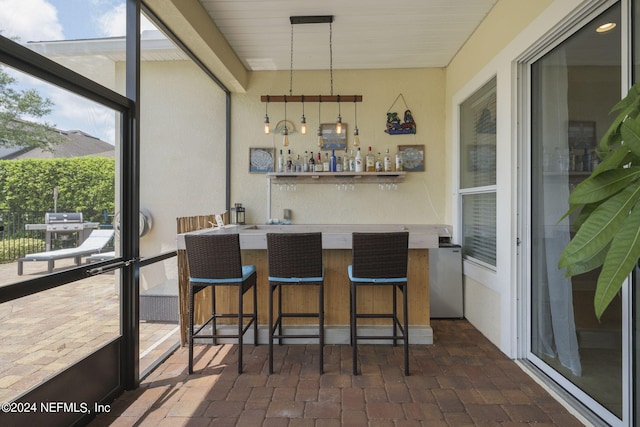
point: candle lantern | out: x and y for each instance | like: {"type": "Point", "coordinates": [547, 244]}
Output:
{"type": "Point", "coordinates": [237, 214]}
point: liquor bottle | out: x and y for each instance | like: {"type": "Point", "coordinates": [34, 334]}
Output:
{"type": "Point", "coordinates": [298, 164]}
{"type": "Point", "coordinates": [370, 161]}
{"type": "Point", "coordinates": [339, 164]}
{"type": "Point", "coordinates": [280, 162]}
{"type": "Point", "coordinates": [387, 162]}
{"type": "Point", "coordinates": [289, 164]}
{"type": "Point", "coordinates": [359, 166]}
{"type": "Point", "coordinates": [319, 166]}
{"type": "Point", "coordinates": [326, 164]}
{"type": "Point", "coordinates": [345, 161]}
{"type": "Point", "coordinates": [305, 162]}
{"type": "Point", "coordinates": [352, 161]}
{"type": "Point", "coordinates": [399, 162]}
{"type": "Point", "coordinates": [379, 166]}
{"type": "Point", "coordinates": [333, 161]}
{"type": "Point", "coordinates": [312, 163]}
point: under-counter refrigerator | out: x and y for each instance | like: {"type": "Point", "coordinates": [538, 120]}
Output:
{"type": "Point", "coordinates": [445, 282]}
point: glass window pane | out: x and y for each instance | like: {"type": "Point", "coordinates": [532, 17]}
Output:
{"type": "Point", "coordinates": [43, 334]}
{"type": "Point", "coordinates": [57, 169]}
{"type": "Point", "coordinates": [478, 138]}
{"type": "Point", "coordinates": [182, 173]}
{"type": "Point", "coordinates": [574, 87]}
{"type": "Point", "coordinates": [86, 36]}
{"type": "Point", "coordinates": [479, 227]}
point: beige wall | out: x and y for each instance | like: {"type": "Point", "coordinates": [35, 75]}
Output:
{"type": "Point", "coordinates": [510, 31]}
{"type": "Point", "coordinates": [420, 199]}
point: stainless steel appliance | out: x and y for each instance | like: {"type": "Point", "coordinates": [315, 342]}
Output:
{"type": "Point", "coordinates": [445, 282]}
{"type": "Point", "coordinates": [63, 223]}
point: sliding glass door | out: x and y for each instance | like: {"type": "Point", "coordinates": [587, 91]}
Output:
{"type": "Point", "coordinates": [573, 87]}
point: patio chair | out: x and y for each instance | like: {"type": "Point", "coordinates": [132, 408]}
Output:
{"type": "Point", "coordinates": [95, 243]}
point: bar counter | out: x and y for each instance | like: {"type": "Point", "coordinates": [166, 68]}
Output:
{"type": "Point", "coordinates": [336, 242]}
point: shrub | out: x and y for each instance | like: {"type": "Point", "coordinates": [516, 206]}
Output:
{"type": "Point", "coordinates": [12, 249]}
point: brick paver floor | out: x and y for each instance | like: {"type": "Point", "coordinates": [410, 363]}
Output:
{"type": "Point", "coordinates": [43, 334]}
{"type": "Point", "coordinates": [462, 379]}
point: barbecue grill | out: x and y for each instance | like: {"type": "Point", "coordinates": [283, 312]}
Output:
{"type": "Point", "coordinates": [65, 223]}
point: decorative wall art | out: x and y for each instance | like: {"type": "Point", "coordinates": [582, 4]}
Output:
{"type": "Point", "coordinates": [291, 128]}
{"type": "Point", "coordinates": [330, 139]}
{"type": "Point", "coordinates": [412, 157]}
{"type": "Point", "coordinates": [394, 124]}
{"type": "Point", "coordinates": [261, 159]}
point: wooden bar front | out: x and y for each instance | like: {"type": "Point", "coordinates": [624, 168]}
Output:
{"type": "Point", "coordinates": [371, 299]}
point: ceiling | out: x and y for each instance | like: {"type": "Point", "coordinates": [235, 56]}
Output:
{"type": "Point", "coordinates": [366, 34]}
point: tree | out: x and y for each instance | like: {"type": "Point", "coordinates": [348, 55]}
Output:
{"type": "Point", "coordinates": [15, 105]}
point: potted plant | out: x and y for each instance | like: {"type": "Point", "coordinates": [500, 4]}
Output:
{"type": "Point", "coordinates": [608, 225]}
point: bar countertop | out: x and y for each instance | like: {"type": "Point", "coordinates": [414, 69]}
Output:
{"type": "Point", "coordinates": [334, 236]}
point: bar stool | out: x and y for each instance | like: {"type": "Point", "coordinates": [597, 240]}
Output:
{"type": "Point", "coordinates": [380, 259]}
{"type": "Point", "coordinates": [295, 259]}
{"type": "Point", "coordinates": [214, 260]}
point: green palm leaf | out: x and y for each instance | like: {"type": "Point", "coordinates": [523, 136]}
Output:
{"type": "Point", "coordinates": [598, 229]}
{"type": "Point", "coordinates": [622, 257]}
{"type": "Point", "coordinates": [603, 186]}
{"type": "Point", "coordinates": [587, 265]}
{"type": "Point", "coordinates": [584, 215]}
{"type": "Point", "coordinates": [613, 159]}
{"type": "Point", "coordinates": [630, 131]}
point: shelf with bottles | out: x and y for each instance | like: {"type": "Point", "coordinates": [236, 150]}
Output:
{"type": "Point", "coordinates": [337, 177]}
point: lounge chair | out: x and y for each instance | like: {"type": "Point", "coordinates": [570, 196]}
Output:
{"type": "Point", "coordinates": [95, 243]}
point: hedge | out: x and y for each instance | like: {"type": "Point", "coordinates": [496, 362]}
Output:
{"type": "Point", "coordinates": [85, 184]}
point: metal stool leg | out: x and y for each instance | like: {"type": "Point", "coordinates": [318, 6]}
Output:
{"type": "Point", "coordinates": [395, 315]}
{"type": "Point", "coordinates": [354, 328]}
{"type": "Point", "coordinates": [279, 318]}
{"type": "Point", "coordinates": [321, 325]}
{"type": "Point", "coordinates": [240, 327]}
{"type": "Point", "coordinates": [255, 314]}
{"type": "Point", "coordinates": [270, 322]}
{"type": "Point", "coordinates": [214, 326]}
{"type": "Point", "coordinates": [405, 329]}
{"type": "Point", "coordinates": [190, 328]}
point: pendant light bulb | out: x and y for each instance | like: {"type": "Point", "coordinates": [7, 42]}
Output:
{"type": "Point", "coordinates": [339, 119]}
{"type": "Point", "coordinates": [356, 131]}
{"type": "Point", "coordinates": [319, 133]}
{"type": "Point", "coordinates": [267, 127]}
{"type": "Point", "coordinates": [285, 138]}
{"type": "Point", "coordinates": [303, 120]}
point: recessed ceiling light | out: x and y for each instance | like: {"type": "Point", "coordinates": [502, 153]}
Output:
{"type": "Point", "coordinates": [606, 27]}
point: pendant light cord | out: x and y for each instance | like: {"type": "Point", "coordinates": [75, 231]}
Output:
{"type": "Point", "coordinates": [331, 55]}
{"type": "Point", "coordinates": [291, 65]}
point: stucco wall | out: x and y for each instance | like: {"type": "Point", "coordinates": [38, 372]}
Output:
{"type": "Point", "coordinates": [182, 147]}
{"type": "Point", "coordinates": [420, 199]}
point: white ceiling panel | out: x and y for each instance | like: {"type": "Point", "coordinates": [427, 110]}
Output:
{"type": "Point", "coordinates": [366, 33]}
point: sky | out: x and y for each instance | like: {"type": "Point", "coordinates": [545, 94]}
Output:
{"type": "Point", "coordinates": [46, 20]}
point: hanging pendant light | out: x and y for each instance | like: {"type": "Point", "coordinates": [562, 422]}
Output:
{"type": "Point", "coordinates": [303, 120]}
{"type": "Point", "coordinates": [267, 127]}
{"type": "Point", "coordinates": [356, 131]}
{"type": "Point", "coordinates": [297, 20]}
{"type": "Point", "coordinates": [339, 119]}
{"type": "Point", "coordinates": [319, 133]}
{"type": "Point", "coordinates": [285, 131]}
